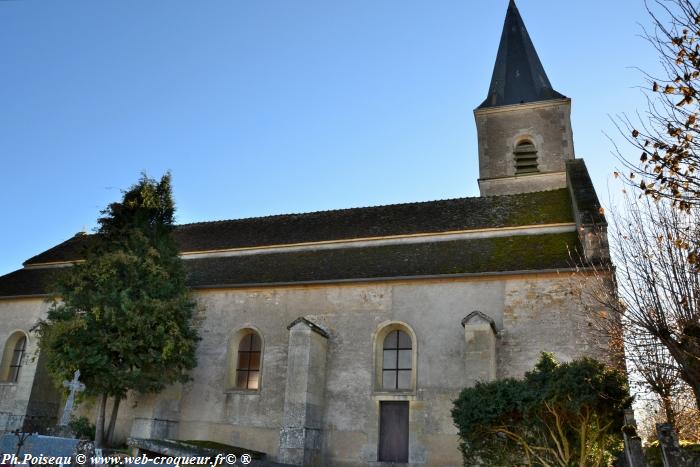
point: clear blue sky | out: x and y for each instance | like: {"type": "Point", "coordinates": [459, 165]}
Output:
{"type": "Point", "coordinates": [265, 107]}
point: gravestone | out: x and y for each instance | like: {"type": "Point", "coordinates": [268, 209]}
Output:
{"type": "Point", "coordinates": [8, 443]}
{"type": "Point", "coordinates": [37, 445]}
{"type": "Point", "coordinates": [633, 443]}
{"type": "Point", "coordinates": [73, 386]}
{"type": "Point", "coordinates": [670, 447]}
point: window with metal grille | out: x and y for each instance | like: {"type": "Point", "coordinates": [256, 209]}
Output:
{"type": "Point", "coordinates": [398, 361]}
{"type": "Point", "coordinates": [16, 363]}
{"type": "Point", "coordinates": [525, 158]}
{"type": "Point", "coordinates": [248, 369]}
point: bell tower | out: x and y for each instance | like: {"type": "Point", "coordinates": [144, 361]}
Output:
{"type": "Point", "coordinates": [524, 125]}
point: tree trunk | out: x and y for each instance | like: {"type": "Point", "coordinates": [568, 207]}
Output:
{"type": "Point", "coordinates": [670, 413]}
{"type": "Point", "coordinates": [687, 359]}
{"type": "Point", "coordinates": [112, 421]}
{"type": "Point", "coordinates": [100, 421]}
{"type": "Point", "coordinates": [696, 391]}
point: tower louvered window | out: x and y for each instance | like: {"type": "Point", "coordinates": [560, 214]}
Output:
{"type": "Point", "coordinates": [525, 158]}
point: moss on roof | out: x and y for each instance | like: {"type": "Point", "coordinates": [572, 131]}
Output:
{"type": "Point", "coordinates": [587, 206]}
{"type": "Point", "coordinates": [484, 255]}
{"type": "Point", "coordinates": [497, 254]}
{"type": "Point", "coordinates": [552, 206]}
{"type": "Point", "coordinates": [549, 207]}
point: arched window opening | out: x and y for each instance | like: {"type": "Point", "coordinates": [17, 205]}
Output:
{"type": "Point", "coordinates": [13, 357]}
{"type": "Point", "coordinates": [397, 361]}
{"type": "Point", "coordinates": [17, 355]}
{"type": "Point", "coordinates": [248, 367]}
{"type": "Point", "coordinates": [525, 158]}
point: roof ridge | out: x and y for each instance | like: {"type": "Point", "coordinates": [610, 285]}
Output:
{"type": "Point", "coordinates": [444, 215]}
{"type": "Point", "coordinates": [323, 211]}
{"type": "Point", "coordinates": [358, 208]}
{"type": "Point", "coordinates": [510, 195]}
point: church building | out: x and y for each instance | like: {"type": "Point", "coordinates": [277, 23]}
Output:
{"type": "Point", "coordinates": [342, 338]}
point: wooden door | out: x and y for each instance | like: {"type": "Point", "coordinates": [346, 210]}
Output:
{"type": "Point", "coordinates": [393, 431]}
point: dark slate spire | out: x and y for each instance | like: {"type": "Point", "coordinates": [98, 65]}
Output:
{"type": "Point", "coordinates": [518, 75]}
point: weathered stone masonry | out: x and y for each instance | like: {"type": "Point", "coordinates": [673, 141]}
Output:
{"type": "Point", "coordinates": [469, 289]}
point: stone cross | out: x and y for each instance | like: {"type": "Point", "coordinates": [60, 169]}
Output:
{"type": "Point", "coordinates": [670, 448]}
{"type": "Point", "coordinates": [73, 386]}
{"type": "Point", "coordinates": [632, 442]}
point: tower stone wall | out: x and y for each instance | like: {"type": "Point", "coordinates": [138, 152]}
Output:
{"type": "Point", "coordinates": [546, 124]}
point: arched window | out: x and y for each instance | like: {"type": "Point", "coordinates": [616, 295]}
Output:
{"type": "Point", "coordinates": [525, 158]}
{"type": "Point", "coordinates": [13, 357]}
{"type": "Point", "coordinates": [245, 357]}
{"type": "Point", "coordinates": [397, 358]}
{"type": "Point", "coordinates": [17, 354]}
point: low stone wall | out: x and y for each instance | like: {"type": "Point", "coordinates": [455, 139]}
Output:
{"type": "Point", "coordinates": [173, 448]}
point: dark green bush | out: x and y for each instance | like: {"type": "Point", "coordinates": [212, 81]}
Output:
{"type": "Point", "coordinates": [558, 414]}
{"type": "Point", "coordinates": [82, 428]}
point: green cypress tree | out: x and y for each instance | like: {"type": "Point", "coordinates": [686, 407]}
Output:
{"type": "Point", "coordinates": [124, 316]}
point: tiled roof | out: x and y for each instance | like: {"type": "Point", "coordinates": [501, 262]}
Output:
{"type": "Point", "coordinates": [380, 221]}
{"type": "Point", "coordinates": [499, 254]}
{"type": "Point", "coordinates": [27, 281]}
{"type": "Point", "coordinates": [587, 208]}
{"type": "Point", "coordinates": [496, 254]}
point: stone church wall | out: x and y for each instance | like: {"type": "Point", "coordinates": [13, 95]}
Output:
{"type": "Point", "coordinates": [531, 313]}
{"type": "Point", "coordinates": [546, 124]}
{"type": "Point", "coordinates": [19, 315]}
